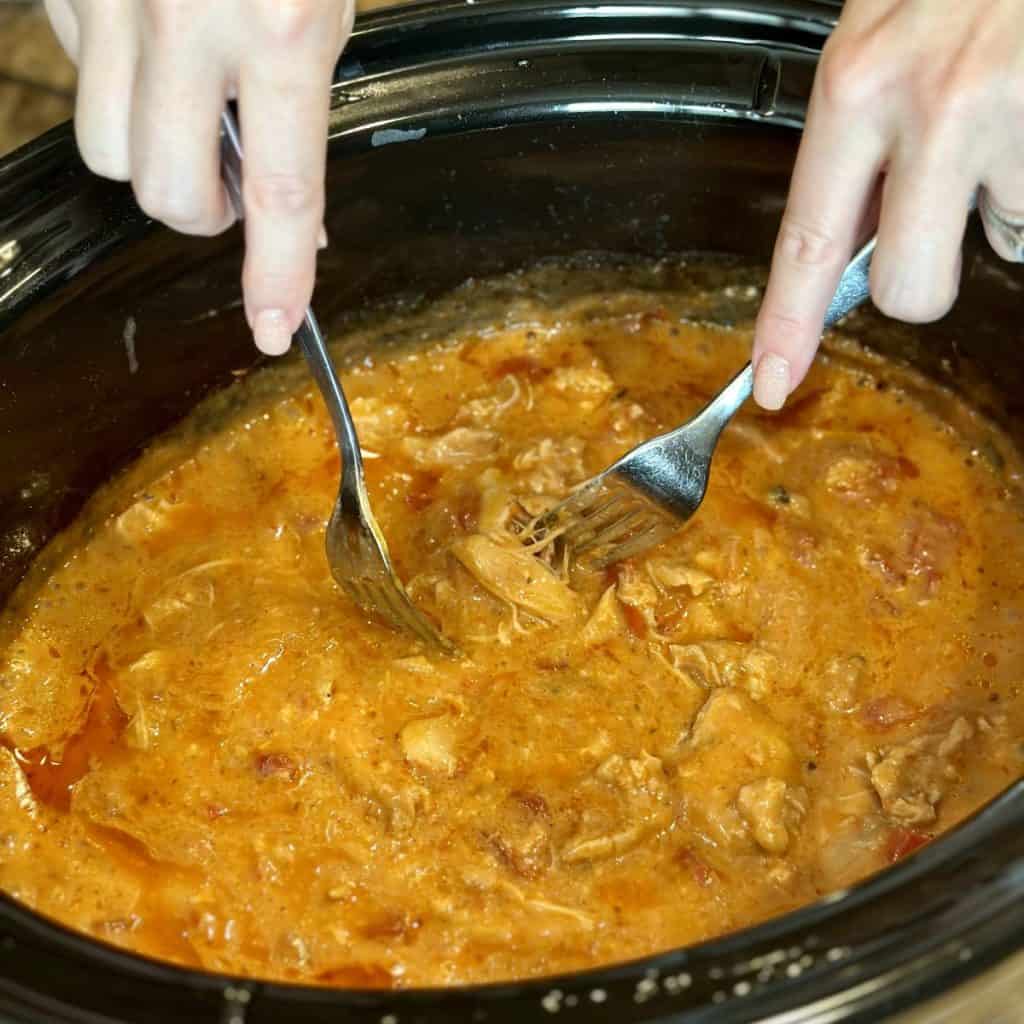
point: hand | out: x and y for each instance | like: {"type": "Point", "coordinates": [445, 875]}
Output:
{"type": "Point", "coordinates": [154, 76]}
{"type": "Point", "coordinates": [916, 103]}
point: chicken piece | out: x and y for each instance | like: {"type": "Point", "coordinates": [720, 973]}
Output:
{"type": "Point", "coordinates": [459, 447]}
{"type": "Point", "coordinates": [15, 795]}
{"type": "Point", "coordinates": [514, 575]}
{"type": "Point", "coordinates": [844, 678]}
{"type": "Point", "coordinates": [727, 663]}
{"type": "Point", "coordinates": [911, 779]}
{"type": "Point", "coordinates": [606, 621]}
{"type": "Point", "coordinates": [522, 839]}
{"type": "Point", "coordinates": [146, 518]}
{"type": "Point", "coordinates": [378, 422]}
{"type": "Point", "coordinates": [641, 797]}
{"type": "Point", "coordinates": [732, 744]}
{"type": "Point", "coordinates": [495, 403]}
{"type": "Point", "coordinates": [673, 575]}
{"type": "Point", "coordinates": [773, 810]}
{"type": "Point", "coordinates": [642, 599]}
{"type": "Point", "coordinates": [428, 744]}
{"type": "Point", "coordinates": [730, 717]}
{"type": "Point", "coordinates": [551, 465]}
{"type": "Point", "coordinates": [857, 471]}
{"type": "Point", "coordinates": [587, 385]}
{"type": "Point", "coordinates": [496, 504]}
{"type": "Point", "coordinates": [634, 775]}
{"type": "Point", "coordinates": [906, 782]}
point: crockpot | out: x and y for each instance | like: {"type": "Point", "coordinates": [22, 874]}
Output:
{"type": "Point", "coordinates": [470, 139]}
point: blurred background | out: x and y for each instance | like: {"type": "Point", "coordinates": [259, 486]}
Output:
{"type": "Point", "coordinates": [37, 82]}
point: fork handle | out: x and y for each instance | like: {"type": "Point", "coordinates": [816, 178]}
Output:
{"type": "Point", "coordinates": [309, 336]}
{"type": "Point", "coordinates": [853, 289]}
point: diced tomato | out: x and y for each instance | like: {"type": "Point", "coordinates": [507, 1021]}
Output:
{"type": "Point", "coordinates": [635, 620]}
{"type": "Point", "coordinates": [905, 841]}
{"type": "Point", "coordinates": [702, 873]}
{"type": "Point", "coordinates": [885, 712]}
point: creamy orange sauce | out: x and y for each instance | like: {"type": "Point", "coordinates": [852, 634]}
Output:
{"type": "Point", "coordinates": [209, 755]}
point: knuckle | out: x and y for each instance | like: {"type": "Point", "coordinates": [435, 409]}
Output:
{"type": "Point", "coordinates": [948, 102]}
{"type": "Point", "coordinates": [102, 158]}
{"type": "Point", "coordinates": [845, 79]}
{"type": "Point", "coordinates": [784, 331]}
{"type": "Point", "coordinates": [282, 194]}
{"type": "Point", "coordinates": [911, 305]}
{"type": "Point", "coordinates": [174, 206]}
{"type": "Point", "coordinates": [950, 93]}
{"type": "Point", "coordinates": [289, 21]}
{"type": "Point", "coordinates": [168, 17]}
{"type": "Point", "coordinates": [806, 246]}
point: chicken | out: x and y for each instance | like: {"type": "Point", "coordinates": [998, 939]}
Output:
{"type": "Point", "coordinates": [910, 779]}
{"type": "Point", "coordinates": [459, 447]}
{"type": "Point", "coordinates": [428, 744]}
{"type": "Point", "coordinates": [514, 575]}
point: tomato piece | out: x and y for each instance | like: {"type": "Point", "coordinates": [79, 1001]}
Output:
{"type": "Point", "coordinates": [905, 841]}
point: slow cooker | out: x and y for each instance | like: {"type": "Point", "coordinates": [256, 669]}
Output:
{"type": "Point", "coordinates": [469, 139]}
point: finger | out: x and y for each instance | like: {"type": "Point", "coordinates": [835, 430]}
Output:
{"type": "Point", "coordinates": [65, 26]}
{"type": "Point", "coordinates": [830, 194]}
{"type": "Point", "coordinates": [283, 108]}
{"type": "Point", "coordinates": [179, 96]}
{"type": "Point", "coordinates": [915, 272]}
{"type": "Point", "coordinates": [108, 52]}
{"type": "Point", "coordinates": [1001, 205]}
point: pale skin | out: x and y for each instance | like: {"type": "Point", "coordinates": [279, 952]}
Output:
{"type": "Point", "coordinates": [917, 104]}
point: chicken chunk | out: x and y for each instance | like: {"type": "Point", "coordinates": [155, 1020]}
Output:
{"type": "Point", "coordinates": [605, 622]}
{"type": "Point", "coordinates": [772, 809]}
{"type": "Point", "coordinates": [459, 447]}
{"type": "Point", "coordinates": [551, 465]}
{"type": "Point", "coordinates": [429, 745]}
{"type": "Point", "coordinates": [910, 779]}
{"type": "Point", "coordinates": [733, 744]}
{"type": "Point", "coordinates": [516, 576]}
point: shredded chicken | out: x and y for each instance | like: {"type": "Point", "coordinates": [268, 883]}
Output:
{"type": "Point", "coordinates": [910, 779]}
{"type": "Point", "coordinates": [773, 810]}
{"type": "Point", "coordinates": [513, 574]}
{"type": "Point", "coordinates": [428, 744]}
{"type": "Point", "coordinates": [460, 446]}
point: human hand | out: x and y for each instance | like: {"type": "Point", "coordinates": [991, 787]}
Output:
{"type": "Point", "coordinates": [915, 105]}
{"type": "Point", "coordinates": [154, 77]}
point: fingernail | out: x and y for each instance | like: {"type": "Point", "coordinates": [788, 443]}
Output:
{"type": "Point", "coordinates": [771, 381]}
{"type": "Point", "coordinates": [321, 238]}
{"type": "Point", "coordinates": [271, 333]}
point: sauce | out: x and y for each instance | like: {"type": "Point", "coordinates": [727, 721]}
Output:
{"type": "Point", "coordinates": [210, 756]}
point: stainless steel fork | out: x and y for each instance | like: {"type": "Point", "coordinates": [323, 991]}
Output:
{"type": "Point", "coordinates": [356, 549]}
{"type": "Point", "coordinates": [651, 491]}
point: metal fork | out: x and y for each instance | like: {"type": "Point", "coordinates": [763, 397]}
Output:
{"type": "Point", "coordinates": [652, 490]}
{"type": "Point", "coordinates": [356, 549]}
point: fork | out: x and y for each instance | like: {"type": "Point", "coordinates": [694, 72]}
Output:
{"type": "Point", "coordinates": [652, 490]}
{"type": "Point", "coordinates": [357, 552]}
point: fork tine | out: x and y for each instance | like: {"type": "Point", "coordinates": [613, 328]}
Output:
{"type": "Point", "coordinates": [610, 532]}
{"type": "Point", "coordinates": [583, 533]}
{"type": "Point", "coordinates": [403, 612]}
{"type": "Point", "coordinates": [398, 606]}
{"type": "Point", "coordinates": [645, 537]}
{"type": "Point", "coordinates": [586, 517]}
